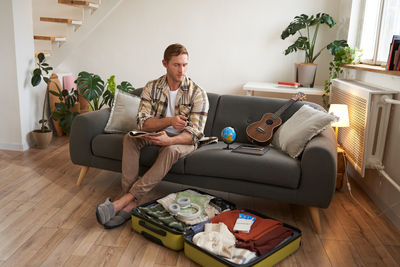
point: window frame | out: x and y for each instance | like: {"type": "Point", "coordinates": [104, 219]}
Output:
{"type": "Point", "coordinates": [374, 59]}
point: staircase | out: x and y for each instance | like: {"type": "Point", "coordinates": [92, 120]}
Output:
{"type": "Point", "coordinates": [60, 26]}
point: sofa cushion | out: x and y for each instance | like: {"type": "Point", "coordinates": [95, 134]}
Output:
{"type": "Point", "coordinates": [110, 146]}
{"type": "Point", "coordinates": [273, 168]}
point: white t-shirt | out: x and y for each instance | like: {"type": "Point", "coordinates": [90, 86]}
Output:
{"type": "Point", "coordinates": [171, 111]}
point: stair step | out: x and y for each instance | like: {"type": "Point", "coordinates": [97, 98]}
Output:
{"type": "Point", "coordinates": [79, 3]}
{"type": "Point", "coordinates": [46, 53]}
{"type": "Point", "coordinates": [50, 38]}
{"type": "Point", "coordinates": [61, 20]}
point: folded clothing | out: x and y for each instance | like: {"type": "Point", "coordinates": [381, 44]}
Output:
{"type": "Point", "coordinates": [259, 228]}
{"type": "Point", "coordinates": [242, 256]}
{"type": "Point", "coordinates": [157, 214]}
{"type": "Point", "coordinates": [266, 242]}
{"type": "Point", "coordinates": [217, 239]}
{"type": "Point", "coordinates": [202, 200]}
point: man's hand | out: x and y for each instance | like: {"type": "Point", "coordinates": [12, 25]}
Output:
{"type": "Point", "coordinates": [161, 139]}
{"type": "Point", "coordinates": [178, 122]}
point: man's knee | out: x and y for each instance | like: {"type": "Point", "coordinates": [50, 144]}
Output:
{"type": "Point", "coordinates": [172, 150]}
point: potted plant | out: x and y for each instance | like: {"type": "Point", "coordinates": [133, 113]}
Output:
{"type": "Point", "coordinates": [42, 136]}
{"type": "Point", "coordinates": [307, 28]}
{"type": "Point", "coordinates": [64, 110]}
{"type": "Point", "coordinates": [342, 56]}
{"type": "Point", "coordinates": [98, 93]}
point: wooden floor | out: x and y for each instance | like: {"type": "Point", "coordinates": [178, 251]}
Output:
{"type": "Point", "coordinates": [48, 221]}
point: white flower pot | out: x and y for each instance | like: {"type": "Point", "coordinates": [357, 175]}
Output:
{"type": "Point", "coordinates": [305, 74]}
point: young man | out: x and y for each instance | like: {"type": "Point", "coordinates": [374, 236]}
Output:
{"type": "Point", "coordinates": [174, 105]}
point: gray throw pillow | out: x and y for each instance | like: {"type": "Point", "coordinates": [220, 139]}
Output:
{"type": "Point", "coordinates": [294, 134]}
{"type": "Point", "coordinates": [123, 113]}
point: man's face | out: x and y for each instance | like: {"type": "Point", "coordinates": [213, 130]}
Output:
{"type": "Point", "coordinates": [176, 67]}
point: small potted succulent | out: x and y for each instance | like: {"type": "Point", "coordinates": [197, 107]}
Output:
{"type": "Point", "coordinates": [42, 136]}
{"type": "Point", "coordinates": [307, 28]}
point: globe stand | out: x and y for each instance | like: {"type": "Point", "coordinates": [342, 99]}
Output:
{"type": "Point", "coordinates": [227, 147]}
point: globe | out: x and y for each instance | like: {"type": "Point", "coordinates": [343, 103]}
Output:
{"type": "Point", "coordinates": [228, 135]}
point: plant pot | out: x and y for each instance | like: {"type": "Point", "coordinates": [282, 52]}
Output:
{"type": "Point", "coordinates": [42, 139]}
{"type": "Point", "coordinates": [305, 74]}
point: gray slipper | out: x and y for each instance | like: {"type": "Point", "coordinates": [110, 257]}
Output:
{"type": "Point", "coordinates": [105, 211]}
{"type": "Point", "coordinates": [118, 220]}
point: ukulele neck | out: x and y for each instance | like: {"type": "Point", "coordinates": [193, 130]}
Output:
{"type": "Point", "coordinates": [282, 109]}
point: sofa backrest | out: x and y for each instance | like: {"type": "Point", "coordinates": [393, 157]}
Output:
{"type": "Point", "coordinates": [213, 102]}
{"type": "Point", "coordinates": [240, 111]}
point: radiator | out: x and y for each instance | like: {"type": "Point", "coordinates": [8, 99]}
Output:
{"type": "Point", "coordinates": [364, 141]}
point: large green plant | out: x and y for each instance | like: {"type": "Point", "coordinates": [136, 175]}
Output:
{"type": "Point", "coordinates": [97, 92]}
{"type": "Point", "coordinates": [303, 26]}
{"type": "Point", "coordinates": [40, 73]}
{"type": "Point", "coordinates": [345, 55]}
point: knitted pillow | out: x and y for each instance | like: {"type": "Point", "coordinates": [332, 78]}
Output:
{"type": "Point", "coordinates": [294, 134]}
{"type": "Point", "coordinates": [123, 113]}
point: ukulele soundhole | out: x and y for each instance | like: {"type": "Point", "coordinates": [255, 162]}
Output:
{"type": "Point", "coordinates": [269, 122]}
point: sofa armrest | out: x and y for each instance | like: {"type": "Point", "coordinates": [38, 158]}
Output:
{"type": "Point", "coordinates": [318, 166]}
{"type": "Point", "coordinates": [83, 129]}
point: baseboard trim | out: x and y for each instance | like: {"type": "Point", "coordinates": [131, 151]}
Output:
{"type": "Point", "coordinates": [13, 146]}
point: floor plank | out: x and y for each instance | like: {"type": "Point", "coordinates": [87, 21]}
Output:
{"type": "Point", "coordinates": [46, 220]}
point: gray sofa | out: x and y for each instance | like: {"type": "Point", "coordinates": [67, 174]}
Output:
{"type": "Point", "coordinates": [309, 180]}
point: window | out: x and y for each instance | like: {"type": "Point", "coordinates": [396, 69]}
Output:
{"type": "Point", "coordinates": [378, 21]}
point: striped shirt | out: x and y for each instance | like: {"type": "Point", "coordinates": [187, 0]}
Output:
{"type": "Point", "coordinates": [191, 102]}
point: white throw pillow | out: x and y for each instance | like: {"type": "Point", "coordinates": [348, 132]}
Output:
{"type": "Point", "coordinates": [292, 136]}
{"type": "Point", "coordinates": [123, 113]}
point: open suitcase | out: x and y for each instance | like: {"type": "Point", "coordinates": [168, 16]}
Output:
{"type": "Point", "coordinates": [178, 240]}
{"type": "Point", "coordinates": [159, 233]}
{"type": "Point", "coordinates": [277, 254]}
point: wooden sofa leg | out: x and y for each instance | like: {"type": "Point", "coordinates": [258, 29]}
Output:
{"type": "Point", "coordinates": [315, 218]}
{"type": "Point", "coordinates": [82, 174]}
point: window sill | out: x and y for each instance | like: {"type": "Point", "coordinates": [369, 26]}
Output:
{"type": "Point", "coordinates": [372, 68]}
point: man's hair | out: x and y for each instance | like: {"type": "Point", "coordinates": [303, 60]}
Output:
{"type": "Point", "coordinates": [174, 50]}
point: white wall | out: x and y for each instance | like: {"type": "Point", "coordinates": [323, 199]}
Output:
{"type": "Point", "coordinates": [229, 42]}
{"type": "Point", "coordinates": [18, 101]}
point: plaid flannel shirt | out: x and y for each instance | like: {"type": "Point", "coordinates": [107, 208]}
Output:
{"type": "Point", "coordinates": [191, 102]}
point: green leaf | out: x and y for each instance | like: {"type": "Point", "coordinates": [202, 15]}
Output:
{"type": "Point", "coordinates": [37, 71]}
{"type": "Point", "coordinates": [36, 79]}
{"type": "Point", "coordinates": [91, 86]}
{"type": "Point", "coordinates": [54, 93]}
{"type": "Point", "coordinates": [59, 106]}
{"type": "Point", "coordinates": [57, 115]}
{"type": "Point", "coordinates": [336, 46]}
{"type": "Point", "coordinates": [108, 98]}
{"type": "Point", "coordinates": [47, 80]}
{"type": "Point", "coordinates": [328, 20]}
{"type": "Point", "coordinates": [41, 57]}
{"type": "Point", "coordinates": [126, 87]}
{"type": "Point", "coordinates": [111, 84]}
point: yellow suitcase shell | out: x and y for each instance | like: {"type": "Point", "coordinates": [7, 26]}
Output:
{"type": "Point", "coordinates": [206, 258]}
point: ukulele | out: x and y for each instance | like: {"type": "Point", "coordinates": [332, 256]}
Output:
{"type": "Point", "coordinates": [261, 132]}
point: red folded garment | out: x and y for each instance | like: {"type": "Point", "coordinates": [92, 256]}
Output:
{"type": "Point", "coordinates": [267, 241]}
{"type": "Point", "coordinates": [259, 228]}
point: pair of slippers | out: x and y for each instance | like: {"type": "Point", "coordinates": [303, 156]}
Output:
{"type": "Point", "coordinates": [106, 216]}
